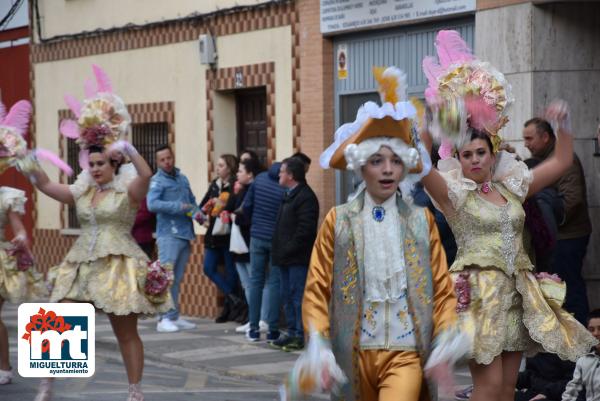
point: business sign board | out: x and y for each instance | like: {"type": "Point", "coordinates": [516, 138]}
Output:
{"type": "Point", "coordinates": [348, 15]}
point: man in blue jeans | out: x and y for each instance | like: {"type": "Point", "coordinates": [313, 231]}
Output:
{"type": "Point", "coordinates": [171, 198]}
{"type": "Point", "coordinates": [295, 233]}
{"type": "Point", "coordinates": [261, 205]}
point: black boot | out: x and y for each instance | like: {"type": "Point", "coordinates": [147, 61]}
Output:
{"type": "Point", "coordinates": [236, 305]}
{"type": "Point", "coordinates": [241, 315]}
{"type": "Point", "coordinates": [222, 318]}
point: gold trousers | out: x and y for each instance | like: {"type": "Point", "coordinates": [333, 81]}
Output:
{"type": "Point", "coordinates": [389, 375]}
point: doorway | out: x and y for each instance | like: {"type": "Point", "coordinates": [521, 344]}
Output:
{"type": "Point", "coordinates": [251, 111]}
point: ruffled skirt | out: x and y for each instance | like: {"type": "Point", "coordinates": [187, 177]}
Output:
{"type": "Point", "coordinates": [110, 283]}
{"type": "Point", "coordinates": [510, 313]}
{"type": "Point", "coordinates": [20, 286]}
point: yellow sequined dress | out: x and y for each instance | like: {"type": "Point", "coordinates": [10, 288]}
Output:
{"type": "Point", "coordinates": [16, 286]}
{"type": "Point", "coordinates": [507, 311]}
{"type": "Point", "coordinates": [105, 265]}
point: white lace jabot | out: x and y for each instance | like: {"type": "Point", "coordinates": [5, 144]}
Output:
{"type": "Point", "coordinates": [385, 276]}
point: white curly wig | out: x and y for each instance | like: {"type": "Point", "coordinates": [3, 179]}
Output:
{"type": "Point", "coordinates": [357, 155]}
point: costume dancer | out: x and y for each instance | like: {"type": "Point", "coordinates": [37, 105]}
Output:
{"type": "Point", "coordinates": [378, 297]}
{"type": "Point", "coordinates": [481, 191]}
{"type": "Point", "coordinates": [105, 266]}
{"type": "Point", "coordinates": [19, 281]}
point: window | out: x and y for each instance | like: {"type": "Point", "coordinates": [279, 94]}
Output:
{"type": "Point", "coordinates": [146, 137]}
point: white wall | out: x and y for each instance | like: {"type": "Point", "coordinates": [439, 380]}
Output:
{"type": "Point", "coordinates": [225, 124]}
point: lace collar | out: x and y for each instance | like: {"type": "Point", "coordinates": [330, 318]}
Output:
{"type": "Point", "coordinates": [119, 183]}
{"type": "Point", "coordinates": [513, 174]}
{"type": "Point", "coordinates": [385, 276]}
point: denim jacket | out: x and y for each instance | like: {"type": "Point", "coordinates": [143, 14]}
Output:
{"type": "Point", "coordinates": [166, 195]}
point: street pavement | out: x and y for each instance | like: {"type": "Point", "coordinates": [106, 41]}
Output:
{"type": "Point", "coordinates": [211, 362]}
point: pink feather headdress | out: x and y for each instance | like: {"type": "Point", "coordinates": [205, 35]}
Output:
{"type": "Point", "coordinates": [464, 92]}
{"type": "Point", "coordinates": [13, 145]}
{"type": "Point", "coordinates": [102, 118]}
{"type": "Point", "coordinates": [13, 128]}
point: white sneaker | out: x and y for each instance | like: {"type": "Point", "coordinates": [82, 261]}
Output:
{"type": "Point", "coordinates": [5, 376]}
{"type": "Point", "coordinates": [166, 326]}
{"type": "Point", "coordinates": [263, 326]}
{"type": "Point", "coordinates": [243, 328]}
{"type": "Point", "coordinates": [183, 324]}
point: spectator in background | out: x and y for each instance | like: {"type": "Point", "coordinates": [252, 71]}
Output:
{"type": "Point", "coordinates": [143, 228]}
{"type": "Point", "coordinates": [543, 213]}
{"type": "Point", "coordinates": [170, 197]}
{"type": "Point", "coordinates": [574, 231]}
{"type": "Point", "coordinates": [544, 378]}
{"type": "Point", "coordinates": [304, 159]}
{"type": "Point", "coordinates": [247, 171]}
{"type": "Point", "coordinates": [217, 203]}
{"type": "Point", "coordinates": [261, 205]}
{"type": "Point", "coordinates": [250, 154]}
{"type": "Point", "coordinates": [295, 233]}
{"type": "Point", "coordinates": [585, 384]}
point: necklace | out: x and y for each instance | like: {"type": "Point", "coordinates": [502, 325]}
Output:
{"type": "Point", "coordinates": [378, 213]}
{"type": "Point", "coordinates": [104, 187]}
{"type": "Point", "coordinates": [485, 187]}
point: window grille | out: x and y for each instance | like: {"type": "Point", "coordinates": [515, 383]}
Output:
{"type": "Point", "coordinates": [148, 137]}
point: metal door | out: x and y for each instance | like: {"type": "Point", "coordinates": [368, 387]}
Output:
{"type": "Point", "coordinates": [349, 105]}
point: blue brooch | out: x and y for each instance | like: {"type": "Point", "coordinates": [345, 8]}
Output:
{"type": "Point", "coordinates": [378, 213]}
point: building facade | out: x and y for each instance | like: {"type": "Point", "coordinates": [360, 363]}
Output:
{"type": "Point", "coordinates": [283, 75]}
{"type": "Point", "coordinates": [244, 95]}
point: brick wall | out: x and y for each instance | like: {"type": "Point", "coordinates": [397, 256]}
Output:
{"type": "Point", "coordinates": [316, 100]}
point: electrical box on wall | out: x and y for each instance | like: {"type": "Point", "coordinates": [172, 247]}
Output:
{"type": "Point", "coordinates": [207, 49]}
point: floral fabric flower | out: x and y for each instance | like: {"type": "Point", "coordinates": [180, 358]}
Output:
{"type": "Point", "coordinates": [157, 281]}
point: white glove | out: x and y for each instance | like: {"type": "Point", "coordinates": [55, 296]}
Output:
{"type": "Point", "coordinates": [559, 116]}
{"type": "Point", "coordinates": [124, 147]}
{"type": "Point", "coordinates": [315, 371]}
{"type": "Point", "coordinates": [27, 165]}
{"type": "Point", "coordinates": [425, 160]}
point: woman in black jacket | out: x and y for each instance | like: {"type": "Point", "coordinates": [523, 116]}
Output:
{"type": "Point", "coordinates": [218, 203]}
